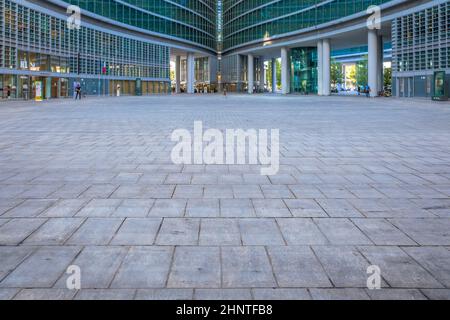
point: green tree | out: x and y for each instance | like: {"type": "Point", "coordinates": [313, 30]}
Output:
{"type": "Point", "coordinates": [336, 73]}
{"type": "Point", "coordinates": [387, 77]}
{"type": "Point", "coordinates": [362, 71]}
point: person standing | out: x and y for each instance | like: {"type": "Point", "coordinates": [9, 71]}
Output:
{"type": "Point", "coordinates": [118, 90]}
{"type": "Point", "coordinates": [25, 91]}
{"type": "Point", "coordinates": [78, 91]}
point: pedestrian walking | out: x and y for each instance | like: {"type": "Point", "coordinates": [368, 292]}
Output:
{"type": "Point", "coordinates": [78, 91]}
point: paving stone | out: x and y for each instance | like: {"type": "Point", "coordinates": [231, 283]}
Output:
{"type": "Point", "coordinates": [195, 267]}
{"type": "Point", "coordinates": [164, 294]}
{"type": "Point", "coordinates": [281, 294]}
{"type": "Point", "coordinates": [7, 294]}
{"type": "Point", "coordinates": [95, 231]}
{"type": "Point", "coordinates": [345, 266]}
{"type": "Point", "coordinates": [178, 231]}
{"type": "Point", "coordinates": [300, 231]}
{"type": "Point", "coordinates": [222, 294]}
{"type": "Point", "coordinates": [437, 294]}
{"type": "Point", "coordinates": [435, 259]}
{"type": "Point", "coordinates": [340, 231]}
{"type": "Point", "coordinates": [144, 267]}
{"type": "Point", "coordinates": [219, 232]}
{"type": "Point", "coordinates": [425, 231]}
{"type": "Point", "coordinates": [11, 257]}
{"type": "Point", "coordinates": [338, 208]}
{"type": "Point", "coordinates": [202, 208]}
{"type": "Point", "coordinates": [382, 232]}
{"type": "Point", "coordinates": [45, 294]}
{"type": "Point", "coordinates": [276, 192]}
{"type": "Point", "coordinates": [98, 266]}
{"type": "Point", "coordinates": [339, 294]}
{"type": "Point", "coordinates": [42, 268]}
{"type": "Point", "coordinates": [137, 231]}
{"type": "Point", "coordinates": [396, 294]}
{"type": "Point", "coordinates": [105, 294]}
{"type": "Point", "coordinates": [247, 192]}
{"type": "Point", "coordinates": [271, 208]}
{"type": "Point", "coordinates": [246, 267]}
{"type": "Point", "coordinates": [218, 192]}
{"type": "Point", "coordinates": [188, 192]}
{"type": "Point", "coordinates": [236, 208]}
{"type": "Point", "coordinates": [54, 232]}
{"type": "Point", "coordinates": [306, 192]}
{"type": "Point", "coordinates": [297, 267]}
{"type": "Point", "coordinates": [398, 269]}
{"type": "Point", "coordinates": [168, 208]}
{"type": "Point", "coordinates": [16, 230]}
{"type": "Point", "coordinates": [64, 209]}
{"type": "Point", "coordinates": [260, 231]}
{"type": "Point", "coordinates": [99, 208]}
{"type": "Point", "coordinates": [305, 208]}
{"type": "Point", "coordinates": [28, 209]}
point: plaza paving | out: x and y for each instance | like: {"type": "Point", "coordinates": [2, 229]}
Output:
{"type": "Point", "coordinates": [362, 182]}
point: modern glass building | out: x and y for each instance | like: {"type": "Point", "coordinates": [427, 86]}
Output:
{"type": "Point", "coordinates": [127, 46]}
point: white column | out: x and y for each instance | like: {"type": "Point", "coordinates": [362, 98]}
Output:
{"type": "Point", "coordinates": [274, 75]}
{"type": "Point", "coordinates": [372, 67]}
{"type": "Point", "coordinates": [178, 74]}
{"type": "Point", "coordinates": [380, 63]}
{"type": "Point", "coordinates": [190, 75]}
{"type": "Point", "coordinates": [326, 64]}
{"type": "Point", "coordinates": [250, 73]}
{"type": "Point", "coordinates": [284, 71]}
{"type": "Point", "coordinates": [320, 67]}
{"type": "Point", "coordinates": [262, 77]}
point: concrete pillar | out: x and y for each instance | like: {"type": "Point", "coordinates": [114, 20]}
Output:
{"type": "Point", "coordinates": [178, 74]}
{"type": "Point", "coordinates": [190, 72]}
{"type": "Point", "coordinates": [326, 64]}
{"type": "Point", "coordinates": [380, 63]}
{"type": "Point", "coordinates": [373, 61]}
{"type": "Point", "coordinates": [320, 67]}
{"type": "Point", "coordinates": [262, 76]}
{"type": "Point", "coordinates": [250, 73]}
{"type": "Point", "coordinates": [48, 88]}
{"type": "Point", "coordinates": [274, 75]}
{"type": "Point", "coordinates": [285, 67]}
{"type": "Point", "coordinates": [238, 74]}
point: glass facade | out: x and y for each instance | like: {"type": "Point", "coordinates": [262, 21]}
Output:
{"type": "Point", "coordinates": [303, 70]}
{"type": "Point", "coordinates": [191, 20]}
{"type": "Point", "coordinates": [420, 46]}
{"type": "Point", "coordinates": [37, 46]}
{"type": "Point", "coordinates": [246, 21]}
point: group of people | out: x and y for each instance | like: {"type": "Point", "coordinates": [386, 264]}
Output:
{"type": "Point", "coordinates": [365, 90]}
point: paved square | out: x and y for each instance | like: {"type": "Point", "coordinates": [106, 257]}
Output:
{"type": "Point", "coordinates": [361, 182]}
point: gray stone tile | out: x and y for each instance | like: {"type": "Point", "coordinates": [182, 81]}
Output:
{"type": "Point", "coordinates": [297, 267]}
{"type": "Point", "coordinates": [188, 192]}
{"type": "Point", "coordinates": [305, 208]}
{"type": "Point", "coordinates": [276, 192]}
{"type": "Point", "coordinates": [41, 269]}
{"type": "Point", "coordinates": [247, 192]}
{"type": "Point", "coordinates": [8, 294]}
{"type": "Point", "coordinates": [64, 209]}
{"type": "Point", "coordinates": [271, 208]}
{"type": "Point", "coordinates": [435, 259]}
{"type": "Point", "coordinates": [260, 231]}
{"type": "Point", "coordinates": [345, 266]}
{"type": "Point", "coordinates": [338, 208]}
{"type": "Point", "coordinates": [164, 294]}
{"type": "Point", "coordinates": [105, 294]}
{"type": "Point", "coordinates": [382, 232]}
{"type": "Point", "coordinates": [178, 231]}
{"type": "Point", "coordinates": [425, 231]}
{"type": "Point", "coordinates": [222, 294]}
{"type": "Point", "coordinates": [54, 232]}
{"type": "Point", "coordinates": [202, 208]}
{"type": "Point", "coordinates": [28, 209]}
{"type": "Point", "coordinates": [195, 267]}
{"type": "Point", "coordinates": [396, 294]}
{"type": "Point", "coordinates": [137, 231]}
{"type": "Point", "coordinates": [398, 269]}
{"type": "Point", "coordinates": [11, 257]}
{"type": "Point", "coordinates": [144, 267]}
{"type": "Point", "coordinates": [95, 231]}
{"type": "Point", "coordinates": [168, 208]}
{"type": "Point", "coordinates": [281, 294]}
{"type": "Point", "coordinates": [219, 232]}
{"type": "Point", "coordinates": [45, 294]}
{"type": "Point", "coordinates": [98, 266]}
{"type": "Point", "coordinates": [437, 294]}
{"type": "Point", "coordinates": [17, 230]}
{"type": "Point", "coordinates": [246, 267]}
{"type": "Point", "coordinates": [301, 231]}
{"type": "Point", "coordinates": [340, 231]}
{"type": "Point", "coordinates": [339, 294]}
{"type": "Point", "coordinates": [236, 208]}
